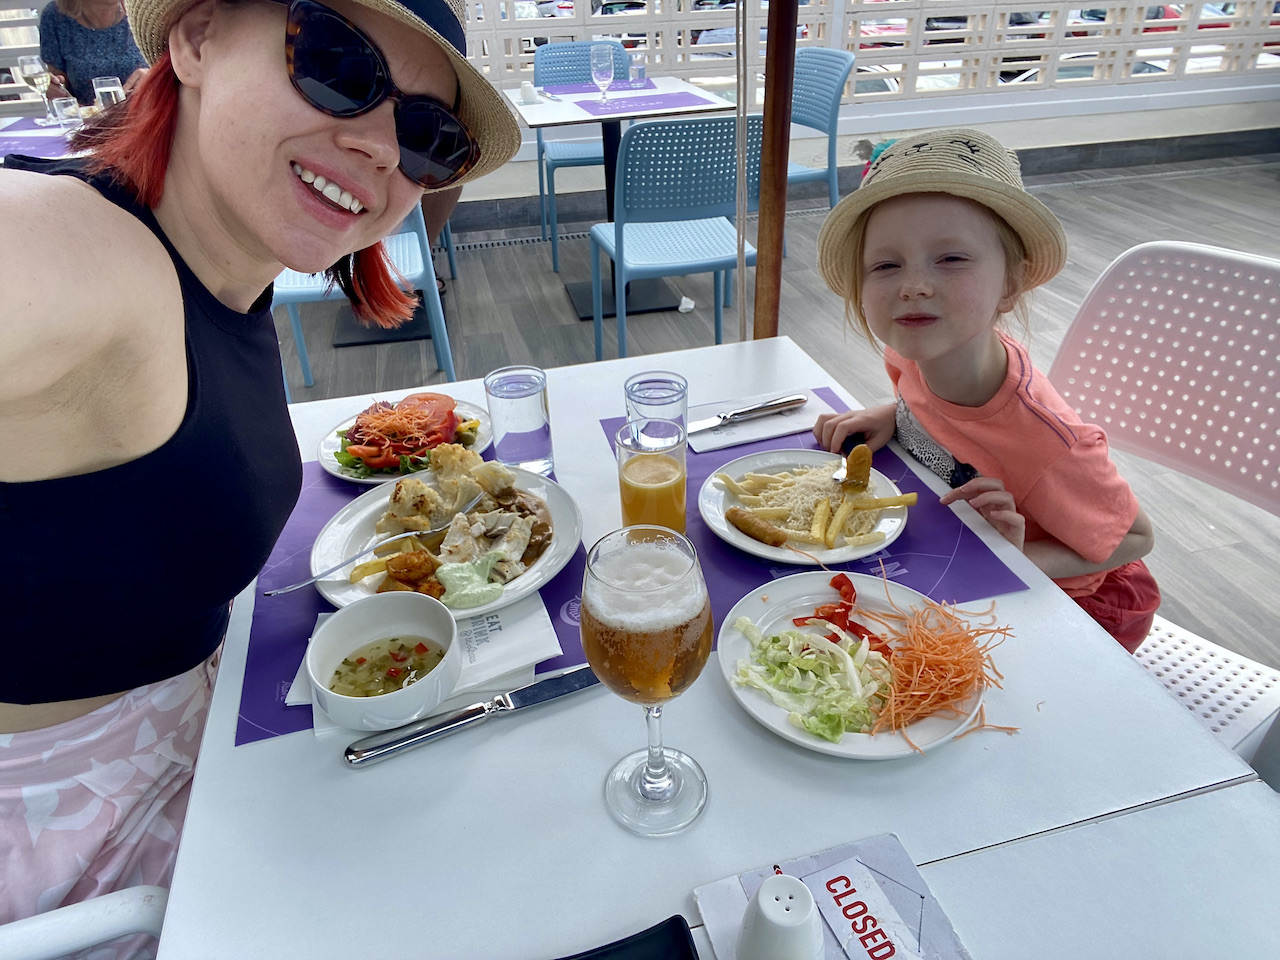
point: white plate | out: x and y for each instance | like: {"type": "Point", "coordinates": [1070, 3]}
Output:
{"type": "Point", "coordinates": [771, 607]}
{"type": "Point", "coordinates": [352, 530]}
{"type": "Point", "coordinates": [332, 443]}
{"type": "Point", "coordinates": [714, 497]}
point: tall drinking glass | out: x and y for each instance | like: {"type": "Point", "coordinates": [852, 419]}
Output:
{"type": "Point", "coordinates": [35, 74]}
{"type": "Point", "coordinates": [647, 631]}
{"type": "Point", "coordinates": [602, 68]}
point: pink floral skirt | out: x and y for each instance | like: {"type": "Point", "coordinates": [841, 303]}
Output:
{"type": "Point", "coordinates": [96, 804]}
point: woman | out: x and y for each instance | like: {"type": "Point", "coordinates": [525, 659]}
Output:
{"type": "Point", "coordinates": [83, 39]}
{"type": "Point", "coordinates": [266, 135]}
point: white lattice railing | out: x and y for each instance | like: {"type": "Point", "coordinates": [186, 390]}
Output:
{"type": "Point", "coordinates": [913, 55]}
{"type": "Point", "coordinates": [18, 37]}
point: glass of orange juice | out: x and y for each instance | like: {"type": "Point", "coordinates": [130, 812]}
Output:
{"type": "Point", "coordinates": [652, 473]}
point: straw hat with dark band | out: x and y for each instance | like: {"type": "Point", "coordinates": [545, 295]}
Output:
{"type": "Point", "coordinates": [963, 163]}
{"type": "Point", "coordinates": [480, 106]}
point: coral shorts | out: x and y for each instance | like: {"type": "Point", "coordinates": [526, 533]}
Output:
{"type": "Point", "coordinates": [96, 804]}
{"type": "Point", "coordinates": [1125, 603]}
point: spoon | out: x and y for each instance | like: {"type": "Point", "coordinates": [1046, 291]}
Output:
{"type": "Point", "coordinates": [368, 550]}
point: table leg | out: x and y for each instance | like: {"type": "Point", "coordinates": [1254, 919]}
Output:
{"type": "Point", "coordinates": [643, 296]}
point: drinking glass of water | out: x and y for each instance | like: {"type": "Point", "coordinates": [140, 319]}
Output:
{"type": "Point", "coordinates": [602, 68]}
{"type": "Point", "coordinates": [107, 91]}
{"type": "Point", "coordinates": [517, 398]}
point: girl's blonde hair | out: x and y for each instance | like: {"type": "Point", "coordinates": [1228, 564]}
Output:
{"type": "Point", "coordinates": [1015, 259]}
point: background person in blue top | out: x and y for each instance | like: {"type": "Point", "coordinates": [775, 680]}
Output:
{"type": "Point", "coordinates": [83, 39]}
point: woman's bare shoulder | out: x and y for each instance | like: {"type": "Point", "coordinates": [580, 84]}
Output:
{"type": "Point", "coordinates": [79, 274]}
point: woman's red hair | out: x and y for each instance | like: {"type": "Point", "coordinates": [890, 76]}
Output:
{"type": "Point", "coordinates": [132, 144]}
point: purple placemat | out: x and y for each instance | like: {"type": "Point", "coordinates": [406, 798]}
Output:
{"type": "Point", "coordinates": [936, 553]}
{"type": "Point", "coordinates": [23, 124]}
{"type": "Point", "coordinates": [49, 147]}
{"type": "Point", "coordinates": [282, 625]}
{"type": "Point", "coordinates": [661, 101]}
{"type": "Point", "coordinates": [614, 87]}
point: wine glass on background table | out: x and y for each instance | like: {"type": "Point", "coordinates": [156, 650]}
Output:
{"type": "Point", "coordinates": [647, 632]}
{"type": "Point", "coordinates": [602, 68]}
{"type": "Point", "coordinates": [35, 74]}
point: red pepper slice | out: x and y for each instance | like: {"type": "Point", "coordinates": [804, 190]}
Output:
{"type": "Point", "coordinates": [361, 660]}
{"type": "Point", "coordinates": [398, 657]}
{"type": "Point", "coordinates": [420, 649]}
{"type": "Point", "coordinates": [393, 672]}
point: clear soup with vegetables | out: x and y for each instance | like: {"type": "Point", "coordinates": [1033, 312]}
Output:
{"type": "Point", "coordinates": [385, 666]}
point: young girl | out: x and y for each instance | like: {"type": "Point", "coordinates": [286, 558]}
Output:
{"type": "Point", "coordinates": [936, 246]}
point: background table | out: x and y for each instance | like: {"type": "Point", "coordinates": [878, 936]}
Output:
{"type": "Point", "coordinates": [496, 843]}
{"type": "Point", "coordinates": [643, 296]}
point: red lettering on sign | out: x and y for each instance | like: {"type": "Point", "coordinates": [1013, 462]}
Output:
{"type": "Point", "coordinates": [881, 951]}
{"type": "Point", "coordinates": [866, 923]}
{"type": "Point", "coordinates": [835, 880]}
{"type": "Point", "coordinates": [854, 910]}
{"type": "Point", "coordinates": [875, 936]}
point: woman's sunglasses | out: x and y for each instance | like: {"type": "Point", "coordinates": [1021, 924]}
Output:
{"type": "Point", "coordinates": [339, 71]}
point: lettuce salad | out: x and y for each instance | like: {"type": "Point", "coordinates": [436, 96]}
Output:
{"type": "Point", "coordinates": [827, 687]}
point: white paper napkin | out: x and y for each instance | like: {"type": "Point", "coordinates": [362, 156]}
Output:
{"type": "Point", "coordinates": [500, 651]}
{"type": "Point", "coordinates": [795, 420]}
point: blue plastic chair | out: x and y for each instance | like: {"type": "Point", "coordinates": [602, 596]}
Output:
{"type": "Point", "coordinates": [675, 194]}
{"type": "Point", "coordinates": [820, 77]}
{"type": "Point", "coordinates": [560, 63]}
{"type": "Point", "coordinates": [410, 252]}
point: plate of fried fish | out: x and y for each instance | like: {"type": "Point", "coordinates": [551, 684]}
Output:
{"type": "Point", "coordinates": [491, 552]}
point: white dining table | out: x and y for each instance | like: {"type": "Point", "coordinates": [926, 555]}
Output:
{"type": "Point", "coordinates": [495, 843]}
{"type": "Point", "coordinates": [656, 97]}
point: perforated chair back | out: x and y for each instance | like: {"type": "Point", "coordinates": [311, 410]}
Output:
{"type": "Point", "coordinates": [1174, 354]}
{"type": "Point", "coordinates": [684, 170]}
{"type": "Point", "coordinates": [570, 62]}
{"type": "Point", "coordinates": [1231, 694]}
{"type": "Point", "coordinates": [817, 89]}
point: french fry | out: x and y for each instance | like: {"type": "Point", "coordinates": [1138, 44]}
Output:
{"type": "Point", "coordinates": [368, 568]}
{"type": "Point", "coordinates": [772, 513]}
{"type": "Point", "coordinates": [821, 514]}
{"type": "Point", "coordinates": [863, 539]}
{"type": "Point", "coordinates": [836, 526]}
{"type": "Point", "coordinates": [734, 486]}
{"type": "Point", "coordinates": [879, 503]}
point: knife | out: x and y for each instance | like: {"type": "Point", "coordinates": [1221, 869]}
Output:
{"type": "Point", "coordinates": [389, 743]}
{"type": "Point", "coordinates": [765, 407]}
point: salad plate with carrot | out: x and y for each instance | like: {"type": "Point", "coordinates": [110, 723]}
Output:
{"type": "Point", "coordinates": [393, 439]}
{"type": "Point", "coordinates": [859, 667]}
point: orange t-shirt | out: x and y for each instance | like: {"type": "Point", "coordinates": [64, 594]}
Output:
{"type": "Point", "coordinates": [1056, 466]}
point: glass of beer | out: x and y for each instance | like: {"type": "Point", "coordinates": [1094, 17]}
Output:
{"type": "Point", "coordinates": [652, 473]}
{"type": "Point", "coordinates": [647, 632]}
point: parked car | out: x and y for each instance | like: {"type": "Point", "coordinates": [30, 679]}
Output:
{"type": "Point", "coordinates": [555, 8]}
{"type": "Point", "coordinates": [1098, 15]}
{"type": "Point", "coordinates": [1081, 65]}
{"type": "Point", "coordinates": [729, 36]}
{"type": "Point", "coordinates": [612, 8]}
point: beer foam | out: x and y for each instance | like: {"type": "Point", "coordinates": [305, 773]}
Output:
{"type": "Point", "coordinates": [640, 570]}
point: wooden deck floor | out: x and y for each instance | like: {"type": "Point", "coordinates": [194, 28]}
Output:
{"type": "Point", "coordinates": [1216, 557]}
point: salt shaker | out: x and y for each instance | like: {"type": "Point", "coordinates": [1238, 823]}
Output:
{"type": "Point", "coordinates": [781, 923]}
{"type": "Point", "coordinates": [527, 93]}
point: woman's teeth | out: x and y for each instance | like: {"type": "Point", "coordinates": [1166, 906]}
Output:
{"type": "Point", "coordinates": [330, 191]}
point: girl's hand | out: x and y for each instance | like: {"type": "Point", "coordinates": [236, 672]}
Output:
{"type": "Point", "coordinates": [988, 496]}
{"type": "Point", "coordinates": [875, 423]}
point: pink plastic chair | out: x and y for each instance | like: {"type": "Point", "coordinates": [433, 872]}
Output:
{"type": "Point", "coordinates": [1174, 354]}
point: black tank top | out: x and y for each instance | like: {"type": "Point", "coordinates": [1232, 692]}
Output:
{"type": "Point", "coordinates": [124, 576]}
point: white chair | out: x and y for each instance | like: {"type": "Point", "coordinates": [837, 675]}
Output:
{"type": "Point", "coordinates": [79, 926]}
{"type": "Point", "coordinates": [1174, 354]}
{"type": "Point", "coordinates": [410, 252]}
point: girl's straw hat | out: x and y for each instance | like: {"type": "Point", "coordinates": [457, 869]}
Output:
{"type": "Point", "coordinates": [481, 107]}
{"type": "Point", "coordinates": [963, 163]}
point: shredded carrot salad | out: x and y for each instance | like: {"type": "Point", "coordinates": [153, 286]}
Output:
{"type": "Point", "coordinates": [384, 433]}
{"type": "Point", "coordinates": [941, 657]}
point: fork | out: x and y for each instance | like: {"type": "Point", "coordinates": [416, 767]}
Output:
{"type": "Point", "coordinates": [368, 550]}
